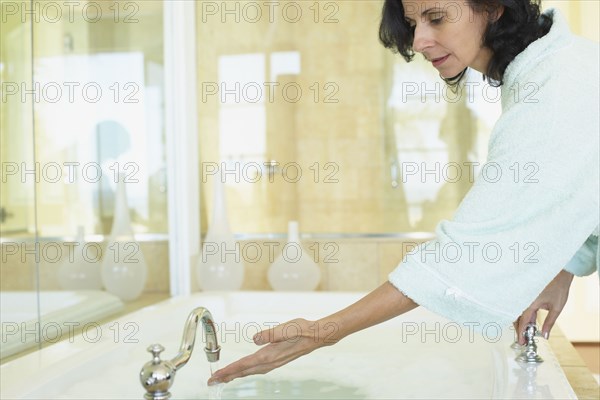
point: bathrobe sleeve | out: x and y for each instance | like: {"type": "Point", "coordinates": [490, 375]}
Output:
{"type": "Point", "coordinates": [585, 261]}
{"type": "Point", "coordinates": [529, 211]}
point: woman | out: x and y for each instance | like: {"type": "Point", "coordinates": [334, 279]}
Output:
{"type": "Point", "coordinates": [541, 223]}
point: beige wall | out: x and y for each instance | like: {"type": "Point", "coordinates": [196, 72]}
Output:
{"type": "Point", "coordinates": [346, 134]}
{"type": "Point", "coordinates": [582, 16]}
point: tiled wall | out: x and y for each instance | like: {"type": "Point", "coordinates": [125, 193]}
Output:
{"type": "Point", "coordinates": [18, 272]}
{"type": "Point", "coordinates": [346, 264]}
{"type": "Point", "coordinates": [343, 133]}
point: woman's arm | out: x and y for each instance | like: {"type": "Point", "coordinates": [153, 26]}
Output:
{"type": "Point", "coordinates": [285, 342]}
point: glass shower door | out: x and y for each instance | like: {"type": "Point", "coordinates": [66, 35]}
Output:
{"type": "Point", "coordinates": [82, 108]}
{"type": "Point", "coordinates": [18, 264]}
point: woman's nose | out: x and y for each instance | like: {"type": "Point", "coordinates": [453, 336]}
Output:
{"type": "Point", "coordinates": [422, 39]}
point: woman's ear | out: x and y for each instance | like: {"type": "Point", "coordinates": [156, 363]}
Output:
{"type": "Point", "coordinates": [495, 14]}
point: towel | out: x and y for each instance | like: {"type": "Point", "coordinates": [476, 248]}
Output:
{"type": "Point", "coordinates": [532, 209]}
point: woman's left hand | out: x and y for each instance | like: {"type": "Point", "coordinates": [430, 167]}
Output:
{"type": "Point", "coordinates": [553, 298]}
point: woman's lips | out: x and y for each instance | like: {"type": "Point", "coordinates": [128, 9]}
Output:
{"type": "Point", "coordinates": [439, 61]}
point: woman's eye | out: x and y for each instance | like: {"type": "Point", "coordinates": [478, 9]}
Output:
{"type": "Point", "coordinates": [436, 18]}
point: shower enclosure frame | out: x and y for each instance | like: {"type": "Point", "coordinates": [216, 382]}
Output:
{"type": "Point", "coordinates": [181, 127]}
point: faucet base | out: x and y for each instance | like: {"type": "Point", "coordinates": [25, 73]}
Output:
{"type": "Point", "coordinates": [158, 396]}
{"type": "Point", "coordinates": [530, 359]}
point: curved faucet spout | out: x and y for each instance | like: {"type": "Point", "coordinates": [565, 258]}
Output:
{"type": "Point", "coordinates": [158, 375]}
{"type": "Point", "coordinates": [212, 348]}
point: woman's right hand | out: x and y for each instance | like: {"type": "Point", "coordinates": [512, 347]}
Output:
{"type": "Point", "coordinates": [284, 343]}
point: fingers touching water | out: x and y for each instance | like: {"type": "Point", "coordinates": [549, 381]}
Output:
{"type": "Point", "coordinates": [281, 344]}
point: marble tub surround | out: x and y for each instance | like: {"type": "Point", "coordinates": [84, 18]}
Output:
{"type": "Point", "coordinates": [21, 317]}
{"type": "Point", "coordinates": [144, 300]}
{"type": "Point", "coordinates": [346, 370]}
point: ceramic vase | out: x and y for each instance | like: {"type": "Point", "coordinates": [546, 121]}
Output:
{"type": "Point", "coordinates": [124, 268]}
{"type": "Point", "coordinates": [220, 266]}
{"type": "Point", "coordinates": [80, 271]}
{"type": "Point", "coordinates": [294, 269]}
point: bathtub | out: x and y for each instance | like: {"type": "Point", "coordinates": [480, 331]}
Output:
{"type": "Point", "coordinates": [60, 312]}
{"type": "Point", "coordinates": [418, 355]}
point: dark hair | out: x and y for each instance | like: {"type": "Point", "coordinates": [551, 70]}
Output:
{"type": "Point", "coordinates": [520, 24]}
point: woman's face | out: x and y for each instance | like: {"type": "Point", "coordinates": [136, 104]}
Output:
{"type": "Point", "coordinates": [449, 34]}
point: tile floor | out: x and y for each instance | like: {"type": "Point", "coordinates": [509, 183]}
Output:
{"type": "Point", "coordinates": [590, 352]}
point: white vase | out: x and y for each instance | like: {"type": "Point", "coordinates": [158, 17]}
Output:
{"type": "Point", "coordinates": [124, 268]}
{"type": "Point", "coordinates": [294, 269]}
{"type": "Point", "coordinates": [78, 272]}
{"type": "Point", "coordinates": [220, 266]}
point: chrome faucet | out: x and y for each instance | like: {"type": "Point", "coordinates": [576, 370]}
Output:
{"type": "Point", "coordinates": [529, 354]}
{"type": "Point", "coordinates": [158, 375]}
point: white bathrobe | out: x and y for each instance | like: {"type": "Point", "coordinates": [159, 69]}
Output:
{"type": "Point", "coordinates": [533, 210]}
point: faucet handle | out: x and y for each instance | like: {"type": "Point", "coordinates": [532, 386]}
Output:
{"type": "Point", "coordinates": [529, 354]}
{"type": "Point", "coordinates": [155, 349]}
{"type": "Point", "coordinates": [529, 334]}
{"type": "Point", "coordinates": [157, 375]}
